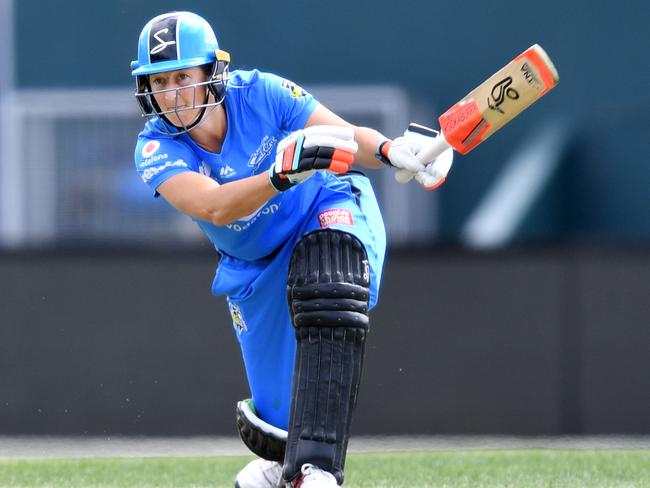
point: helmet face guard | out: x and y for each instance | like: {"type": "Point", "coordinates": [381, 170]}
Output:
{"type": "Point", "coordinates": [216, 86]}
{"type": "Point", "coordinates": [175, 41]}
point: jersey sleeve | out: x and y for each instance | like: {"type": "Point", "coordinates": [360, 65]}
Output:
{"type": "Point", "coordinates": [292, 104]}
{"type": "Point", "coordinates": [157, 160]}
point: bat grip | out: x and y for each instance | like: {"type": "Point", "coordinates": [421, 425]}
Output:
{"type": "Point", "coordinates": [433, 150]}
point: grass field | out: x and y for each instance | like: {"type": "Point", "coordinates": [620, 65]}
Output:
{"type": "Point", "coordinates": [534, 468]}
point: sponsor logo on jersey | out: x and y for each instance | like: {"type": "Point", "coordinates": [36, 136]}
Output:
{"type": "Point", "coordinates": [245, 222]}
{"type": "Point", "coordinates": [227, 172]}
{"type": "Point", "coordinates": [335, 216]}
{"type": "Point", "coordinates": [155, 159]}
{"type": "Point", "coordinates": [150, 173]}
{"type": "Point", "coordinates": [237, 317]}
{"type": "Point", "coordinates": [150, 148]}
{"type": "Point", "coordinates": [296, 91]}
{"type": "Point", "coordinates": [260, 154]}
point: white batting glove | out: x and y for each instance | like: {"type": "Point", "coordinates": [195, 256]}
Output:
{"type": "Point", "coordinates": [435, 172]}
{"type": "Point", "coordinates": [317, 148]}
{"type": "Point", "coordinates": [400, 153]}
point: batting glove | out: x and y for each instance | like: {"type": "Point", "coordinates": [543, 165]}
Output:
{"type": "Point", "coordinates": [434, 172]}
{"type": "Point", "coordinates": [316, 148]}
{"type": "Point", "coordinates": [400, 153]}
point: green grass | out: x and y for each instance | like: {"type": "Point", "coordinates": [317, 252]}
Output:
{"type": "Point", "coordinates": [611, 468]}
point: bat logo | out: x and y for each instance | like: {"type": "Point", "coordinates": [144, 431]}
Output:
{"type": "Point", "coordinates": [529, 75]}
{"type": "Point", "coordinates": [499, 93]}
{"type": "Point", "coordinates": [163, 44]}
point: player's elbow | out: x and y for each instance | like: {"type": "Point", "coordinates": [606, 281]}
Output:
{"type": "Point", "coordinates": [220, 218]}
{"type": "Point", "coordinates": [223, 216]}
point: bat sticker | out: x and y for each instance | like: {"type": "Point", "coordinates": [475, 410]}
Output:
{"type": "Point", "coordinates": [499, 93]}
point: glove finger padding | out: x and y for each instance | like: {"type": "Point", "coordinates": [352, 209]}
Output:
{"type": "Point", "coordinates": [402, 154]}
{"type": "Point", "coordinates": [345, 144]}
{"type": "Point", "coordinates": [403, 175]}
{"type": "Point", "coordinates": [416, 142]}
{"type": "Point", "coordinates": [404, 150]}
{"type": "Point", "coordinates": [323, 157]}
{"type": "Point", "coordinates": [316, 148]}
{"type": "Point", "coordinates": [435, 173]}
{"type": "Point", "coordinates": [340, 132]}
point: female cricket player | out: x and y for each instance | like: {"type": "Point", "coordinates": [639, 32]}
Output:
{"type": "Point", "coordinates": [265, 172]}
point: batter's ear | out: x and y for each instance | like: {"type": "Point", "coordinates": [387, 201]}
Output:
{"type": "Point", "coordinates": [220, 74]}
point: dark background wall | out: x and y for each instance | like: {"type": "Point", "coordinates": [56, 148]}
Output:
{"type": "Point", "coordinates": [529, 342]}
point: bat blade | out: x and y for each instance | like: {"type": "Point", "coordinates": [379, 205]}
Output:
{"type": "Point", "coordinates": [497, 101]}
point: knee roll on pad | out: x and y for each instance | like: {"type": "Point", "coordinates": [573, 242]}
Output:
{"type": "Point", "coordinates": [262, 438]}
{"type": "Point", "coordinates": [329, 281]}
{"type": "Point", "coordinates": [328, 294]}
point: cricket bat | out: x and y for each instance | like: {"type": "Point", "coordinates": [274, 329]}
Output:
{"type": "Point", "coordinates": [494, 103]}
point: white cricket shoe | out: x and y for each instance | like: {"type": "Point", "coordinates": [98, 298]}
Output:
{"type": "Point", "coordinates": [314, 477]}
{"type": "Point", "coordinates": [260, 473]}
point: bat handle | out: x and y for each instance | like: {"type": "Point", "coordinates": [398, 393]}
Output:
{"type": "Point", "coordinates": [433, 150]}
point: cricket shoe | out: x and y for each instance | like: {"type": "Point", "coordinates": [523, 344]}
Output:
{"type": "Point", "coordinates": [260, 473]}
{"type": "Point", "coordinates": [313, 477]}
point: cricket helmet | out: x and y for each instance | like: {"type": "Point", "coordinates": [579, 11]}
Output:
{"type": "Point", "coordinates": [174, 41]}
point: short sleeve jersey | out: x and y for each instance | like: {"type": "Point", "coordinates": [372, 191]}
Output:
{"type": "Point", "coordinates": [261, 110]}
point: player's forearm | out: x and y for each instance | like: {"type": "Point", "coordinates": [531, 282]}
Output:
{"type": "Point", "coordinates": [240, 198]}
{"type": "Point", "coordinates": [367, 139]}
{"type": "Point", "coordinates": [200, 197]}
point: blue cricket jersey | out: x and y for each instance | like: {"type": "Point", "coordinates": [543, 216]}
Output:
{"type": "Point", "coordinates": [262, 109]}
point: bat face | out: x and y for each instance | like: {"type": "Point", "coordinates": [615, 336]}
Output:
{"type": "Point", "coordinates": [499, 99]}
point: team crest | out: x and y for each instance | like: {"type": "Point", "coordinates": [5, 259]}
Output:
{"type": "Point", "coordinates": [296, 91]}
{"type": "Point", "coordinates": [237, 318]}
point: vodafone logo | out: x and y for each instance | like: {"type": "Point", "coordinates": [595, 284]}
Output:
{"type": "Point", "coordinates": [150, 148]}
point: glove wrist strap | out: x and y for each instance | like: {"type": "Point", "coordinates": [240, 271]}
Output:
{"type": "Point", "coordinates": [382, 151]}
{"type": "Point", "coordinates": [278, 183]}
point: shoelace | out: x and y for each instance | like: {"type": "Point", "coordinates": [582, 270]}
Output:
{"type": "Point", "coordinates": [315, 473]}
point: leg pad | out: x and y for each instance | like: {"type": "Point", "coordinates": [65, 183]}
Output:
{"type": "Point", "coordinates": [328, 292]}
{"type": "Point", "coordinates": [263, 439]}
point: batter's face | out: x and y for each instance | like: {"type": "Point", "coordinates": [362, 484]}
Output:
{"type": "Point", "coordinates": [180, 96]}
